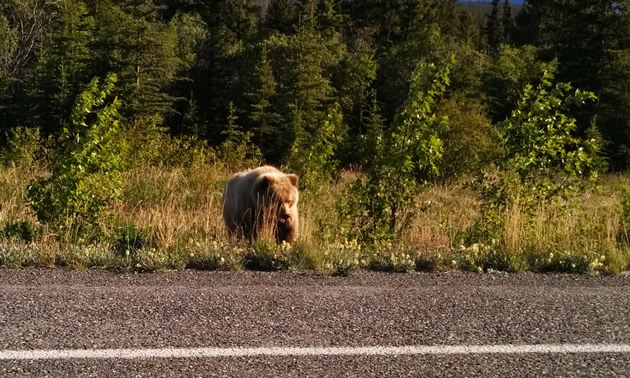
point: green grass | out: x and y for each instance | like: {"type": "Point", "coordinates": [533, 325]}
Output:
{"type": "Point", "coordinates": [170, 218]}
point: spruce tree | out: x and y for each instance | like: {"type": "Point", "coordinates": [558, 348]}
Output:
{"type": "Point", "coordinates": [134, 42]}
{"type": "Point", "coordinates": [63, 67]}
{"type": "Point", "coordinates": [8, 45]}
{"type": "Point", "coordinates": [267, 121]}
{"type": "Point", "coordinates": [223, 63]}
{"type": "Point", "coordinates": [494, 28]}
{"type": "Point", "coordinates": [330, 19]}
{"type": "Point", "coordinates": [508, 21]}
{"type": "Point", "coordinates": [281, 17]}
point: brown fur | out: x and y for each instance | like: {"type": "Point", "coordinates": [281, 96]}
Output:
{"type": "Point", "coordinates": [259, 198]}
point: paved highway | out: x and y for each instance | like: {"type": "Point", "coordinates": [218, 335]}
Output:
{"type": "Point", "coordinates": [100, 324]}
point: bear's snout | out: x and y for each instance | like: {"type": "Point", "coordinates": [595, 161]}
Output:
{"type": "Point", "coordinates": [284, 217]}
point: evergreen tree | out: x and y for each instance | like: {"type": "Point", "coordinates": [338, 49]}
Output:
{"type": "Point", "coordinates": [24, 27]}
{"type": "Point", "coordinates": [308, 59]}
{"type": "Point", "coordinates": [371, 142]}
{"type": "Point", "coordinates": [614, 107]}
{"type": "Point", "coordinates": [494, 28]}
{"type": "Point", "coordinates": [134, 42]}
{"type": "Point", "coordinates": [330, 19]}
{"type": "Point", "coordinates": [268, 129]}
{"type": "Point", "coordinates": [223, 64]}
{"type": "Point", "coordinates": [303, 66]}
{"type": "Point", "coordinates": [63, 66]}
{"type": "Point", "coordinates": [281, 17]}
{"type": "Point", "coordinates": [508, 21]}
{"type": "Point", "coordinates": [191, 31]}
{"type": "Point", "coordinates": [402, 33]}
{"type": "Point", "coordinates": [528, 22]}
{"type": "Point", "coordinates": [8, 45]}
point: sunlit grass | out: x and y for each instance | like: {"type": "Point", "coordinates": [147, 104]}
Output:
{"type": "Point", "coordinates": [170, 218]}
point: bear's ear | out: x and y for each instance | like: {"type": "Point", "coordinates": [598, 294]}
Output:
{"type": "Point", "coordinates": [264, 183]}
{"type": "Point", "coordinates": [294, 179]}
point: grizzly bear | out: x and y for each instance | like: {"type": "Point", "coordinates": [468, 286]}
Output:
{"type": "Point", "coordinates": [262, 199]}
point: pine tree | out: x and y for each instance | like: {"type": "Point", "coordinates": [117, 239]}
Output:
{"type": "Point", "coordinates": [268, 131]}
{"type": "Point", "coordinates": [306, 75]}
{"type": "Point", "coordinates": [63, 67]}
{"type": "Point", "coordinates": [494, 28]}
{"type": "Point", "coordinates": [508, 22]}
{"type": "Point", "coordinates": [281, 17]}
{"type": "Point", "coordinates": [8, 45]}
{"type": "Point", "coordinates": [330, 19]}
{"type": "Point", "coordinates": [372, 141]}
{"type": "Point", "coordinates": [527, 23]}
{"type": "Point", "coordinates": [223, 63]}
{"type": "Point", "coordinates": [134, 42]}
{"type": "Point", "coordinates": [237, 150]}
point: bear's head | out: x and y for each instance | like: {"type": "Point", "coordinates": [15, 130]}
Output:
{"type": "Point", "coordinates": [279, 193]}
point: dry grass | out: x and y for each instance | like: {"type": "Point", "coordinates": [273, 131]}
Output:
{"type": "Point", "coordinates": [173, 204]}
{"type": "Point", "coordinates": [448, 211]}
{"type": "Point", "coordinates": [177, 214]}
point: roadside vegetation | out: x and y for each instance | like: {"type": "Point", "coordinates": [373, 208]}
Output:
{"type": "Point", "coordinates": [423, 141]}
{"type": "Point", "coordinates": [170, 218]}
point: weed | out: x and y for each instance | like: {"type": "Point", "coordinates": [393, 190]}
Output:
{"type": "Point", "coordinates": [24, 230]}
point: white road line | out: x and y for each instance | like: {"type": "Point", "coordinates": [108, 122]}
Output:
{"type": "Point", "coordinates": [62, 354]}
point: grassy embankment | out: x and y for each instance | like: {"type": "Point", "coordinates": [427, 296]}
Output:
{"type": "Point", "coordinates": [171, 219]}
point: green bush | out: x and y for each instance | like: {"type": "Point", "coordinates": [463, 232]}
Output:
{"type": "Point", "coordinates": [389, 257]}
{"type": "Point", "coordinates": [400, 162]}
{"type": "Point", "coordinates": [23, 230]}
{"type": "Point", "coordinates": [543, 158]}
{"type": "Point", "coordinates": [23, 147]}
{"type": "Point", "coordinates": [467, 139]}
{"type": "Point", "coordinates": [312, 154]}
{"type": "Point", "coordinates": [85, 168]}
{"type": "Point", "coordinates": [148, 144]}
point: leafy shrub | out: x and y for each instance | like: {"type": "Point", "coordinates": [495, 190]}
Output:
{"type": "Point", "coordinates": [468, 138]}
{"type": "Point", "coordinates": [16, 255]}
{"type": "Point", "coordinates": [148, 144]}
{"type": "Point", "coordinates": [341, 258]}
{"type": "Point", "coordinates": [400, 163]}
{"type": "Point", "coordinates": [212, 255]}
{"type": "Point", "coordinates": [85, 168]}
{"type": "Point", "coordinates": [479, 257]}
{"type": "Point", "coordinates": [312, 153]}
{"type": "Point", "coordinates": [543, 159]}
{"type": "Point", "coordinates": [23, 146]}
{"type": "Point", "coordinates": [23, 230]}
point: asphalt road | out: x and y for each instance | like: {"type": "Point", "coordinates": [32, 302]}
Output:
{"type": "Point", "coordinates": [66, 310]}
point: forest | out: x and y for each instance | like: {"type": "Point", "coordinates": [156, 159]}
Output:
{"type": "Point", "coordinates": [427, 134]}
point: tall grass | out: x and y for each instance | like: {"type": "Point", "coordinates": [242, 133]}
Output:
{"type": "Point", "coordinates": [171, 218]}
